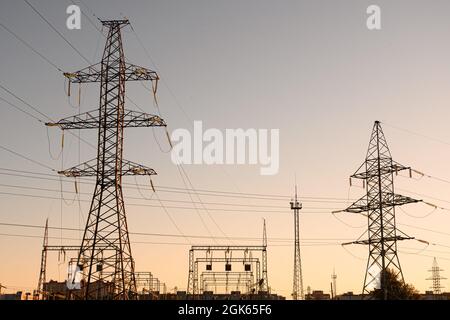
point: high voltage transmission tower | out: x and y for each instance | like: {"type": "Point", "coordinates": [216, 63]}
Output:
{"type": "Point", "coordinates": [297, 290]}
{"type": "Point", "coordinates": [436, 278]}
{"type": "Point", "coordinates": [105, 258]}
{"type": "Point", "coordinates": [377, 173]}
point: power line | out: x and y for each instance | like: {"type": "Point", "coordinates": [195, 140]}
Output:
{"type": "Point", "coordinates": [417, 134]}
{"type": "Point", "coordinates": [169, 189]}
{"type": "Point", "coordinates": [165, 200]}
{"type": "Point", "coordinates": [88, 18]}
{"type": "Point", "coordinates": [26, 103]}
{"type": "Point", "coordinates": [56, 30]}
{"type": "Point", "coordinates": [162, 78]}
{"type": "Point", "coordinates": [30, 47]}
{"type": "Point", "coordinates": [26, 158]}
{"type": "Point", "coordinates": [432, 177]}
{"type": "Point", "coordinates": [21, 110]}
{"type": "Point", "coordinates": [69, 43]}
{"type": "Point", "coordinates": [179, 166]}
{"type": "Point", "coordinates": [160, 206]}
{"type": "Point", "coordinates": [196, 210]}
{"type": "Point", "coordinates": [131, 186]}
{"type": "Point", "coordinates": [200, 200]}
{"type": "Point", "coordinates": [425, 229]}
{"type": "Point", "coordinates": [29, 174]}
{"type": "Point", "coordinates": [175, 235]}
{"type": "Point", "coordinates": [424, 255]}
{"type": "Point", "coordinates": [424, 195]}
{"type": "Point", "coordinates": [53, 64]}
{"type": "Point", "coordinates": [39, 112]}
{"type": "Point", "coordinates": [76, 239]}
{"type": "Point", "coordinates": [163, 243]}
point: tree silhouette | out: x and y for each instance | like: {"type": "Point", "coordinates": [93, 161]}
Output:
{"type": "Point", "coordinates": [396, 289]}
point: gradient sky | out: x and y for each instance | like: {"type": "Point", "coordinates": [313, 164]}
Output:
{"type": "Point", "coordinates": [310, 68]}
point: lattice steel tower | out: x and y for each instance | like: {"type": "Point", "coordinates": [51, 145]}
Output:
{"type": "Point", "coordinates": [105, 254]}
{"type": "Point", "coordinates": [264, 282]}
{"type": "Point", "coordinates": [436, 278]}
{"type": "Point", "coordinates": [297, 290]}
{"type": "Point", "coordinates": [377, 173]}
{"type": "Point", "coordinates": [43, 272]}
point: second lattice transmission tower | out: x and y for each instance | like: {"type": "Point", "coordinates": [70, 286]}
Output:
{"type": "Point", "coordinates": [377, 173]}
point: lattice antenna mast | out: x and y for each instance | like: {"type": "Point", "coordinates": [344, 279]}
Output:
{"type": "Point", "coordinates": [42, 274]}
{"type": "Point", "coordinates": [297, 289]}
{"type": "Point", "coordinates": [264, 282]}
{"type": "Point", "coordinates": [377, 173]}
{"type": "Point", "coordinates": [105, 253]}
{"type": "Point", "coordinates": [436, 277]}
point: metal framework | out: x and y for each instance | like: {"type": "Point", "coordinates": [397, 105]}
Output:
{"type": "Point", "coordinates": [252, 266]}
{"type": "Point", "coordinates": [436, 278]}
{"type": "Point", "coordinates": [226, 275]}
{"type": "Point", "coordinates": [297, 289]}
{"type": "Point", "coordinates": [43, 272]}
{"type": "Point", "coordinates": [236, 280]}
{"type": "Point", "coordinates": [105, 253]}
{"type": "Point", "coordinates": [264, 281]}
{"type": "Point", "coordinates": [149, 283]}
{"type": "Point", "coordinates": [62, 250]}
{"type": "Point", "coordinates": [377, 173]}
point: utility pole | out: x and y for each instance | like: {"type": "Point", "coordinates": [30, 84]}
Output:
{"type": "Point", "coordinates": [43, 272]}
{"type": "Point", "coordinates": [377, 173]}
{"type": "Point", "coordinates": [297, 290]}
{"type": "Point", "coordinates": [436, 278]}
{"type": "Point", "coordinates": [105, 254]}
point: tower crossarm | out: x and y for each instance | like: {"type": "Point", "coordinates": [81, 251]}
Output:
{"type": "Point", "coordinates": [375, 241]}
{"type": "Point", "coordinates": [93, 73]}
{"type": "Point", "coordinates": [90, 120]}
{"type": "Point", "coordinates": [227, 248]}
{"type": "Point", "coordinates": [69, 248]}
{"type": "Point", "coordinates": [89, 169]}
{"type": "Point", "coordinates": [387, 167]}
{"type": "Point", "coordinates": [362, 205]}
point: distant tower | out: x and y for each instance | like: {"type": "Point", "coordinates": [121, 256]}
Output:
{"type": "Point", "coordinates": [436, 277]}
{"type": "Point", "coordinates": [334, 278]}
{"type": "Point", "coordinates": [377, 173]}
{"type": "Point", "coordinates": [264, 285]}
{"type": "Point", "coordinates": [297, 290]}
{"type": "Point", "coordinates": [42, 274]}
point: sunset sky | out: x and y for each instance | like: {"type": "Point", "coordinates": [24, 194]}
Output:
{"type": "Point", "coordinates": [311, 69]}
